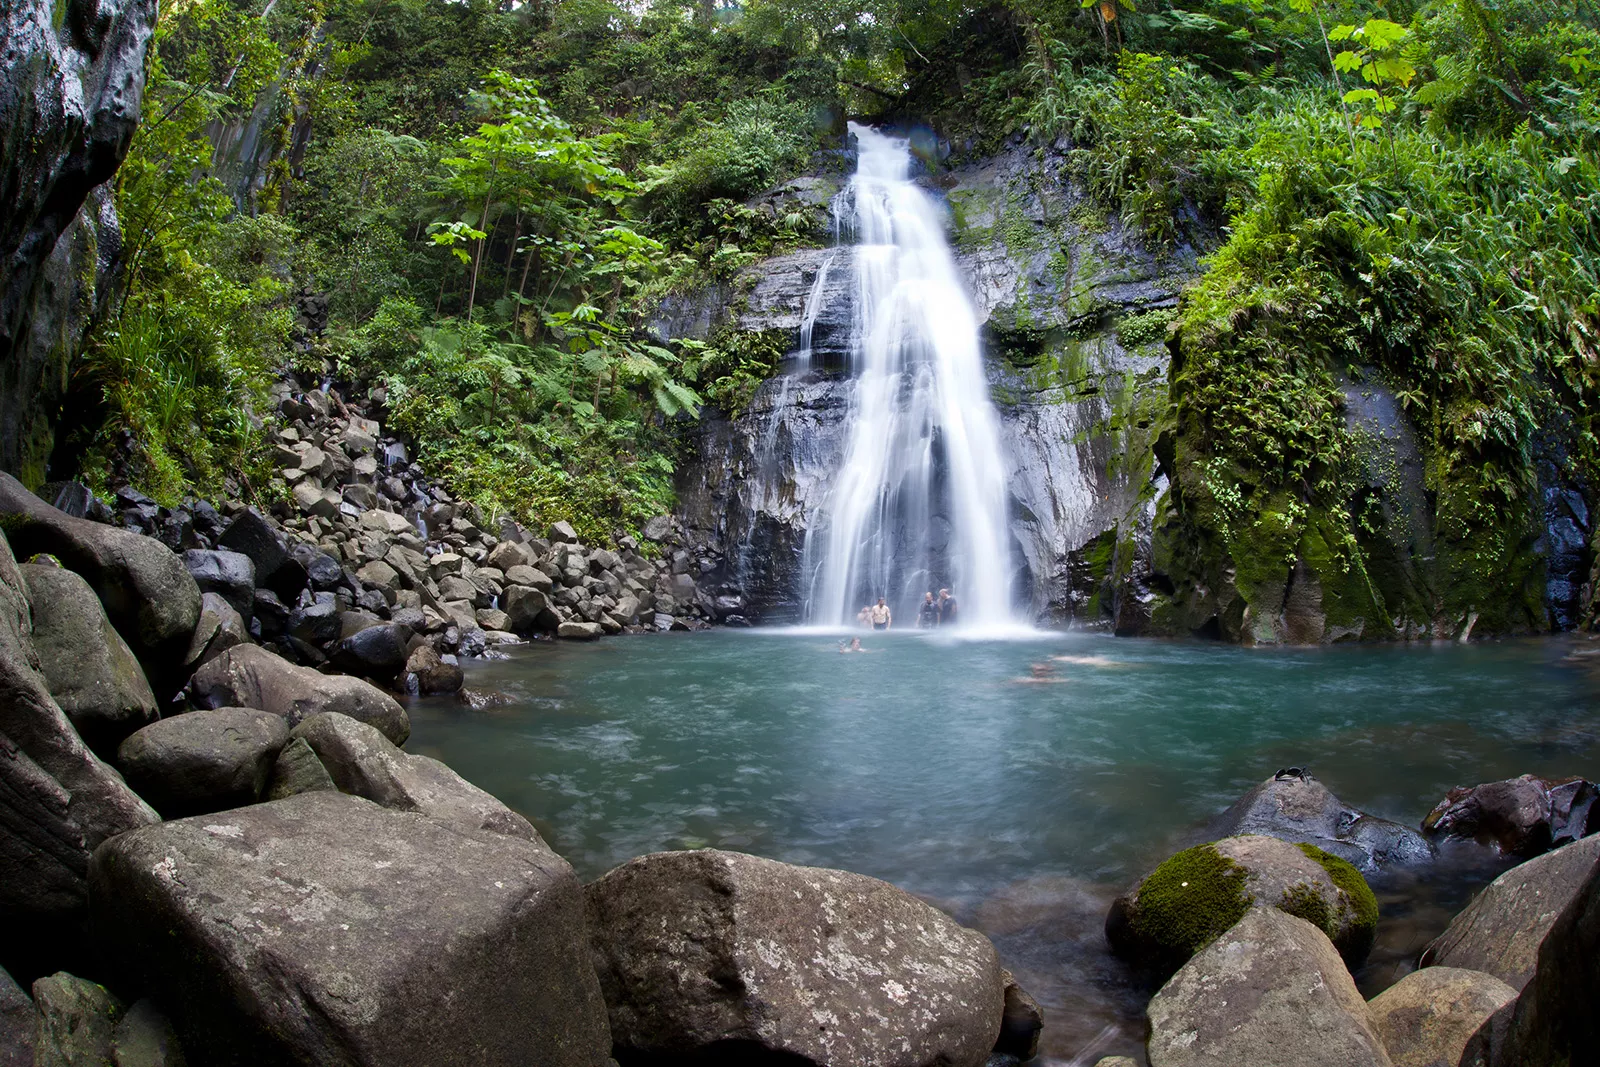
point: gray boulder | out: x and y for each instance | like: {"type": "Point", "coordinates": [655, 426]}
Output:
{"type": "Point", "coordinates": [144, 588]}
{"type": "Point", "coordinates": [17, 1024]}
{"type": "Point", "coordinates": [1021, 1022]}
{"type": "Point", "coordinates": [1501, 931]}
{"type": "Point", "coordinates": [1521, 816]}
{"type": "Point", "coordinates": [362, 762]}
{"type": "Point", "coordinates": [251, 677]}
{"type": "Point", "coordinates": [145, 1038]}
{"type": "Point", "coordinates": [1437, 1017]}
{"type": "Point", "coordinates": [92, 673]}
{"type": "Point", "coordinates": [42, 848]}
{"type": "Point", "coordinates": [530, 610]}
{"type": "Point", "coordinates": [1272, 990]}
{"type": "Point", "coordinates": [374, 937]}
{"type": "Point", "coordinates": [580, 631]}
{"type": "Point", "coordinates": [1201, 892]}
{"type": "Point", "coordinates": [252, 535]}
{"type": "Point", "coordinates": [705, 951]}
{"type": "Point", "coordinates": [297, 770]}
{"type": "Point", "coordinates": [1294, 806]}
{"type": "Point", "coordinates": [219, 629]}
{"type": "Point", "coordinates": [378, 651]}
{"type": "Point", "coordinates": [203, 761]}
{"type": "Point", "coordinates": [99, 802]}
{"type": "Point", "coordinates": [431, 672]}
{"type": "Point", "coordinates": [76, 1021]}
{"type": "Point", "coordinates": [562, 533]}
{"type": "Point", "coordinates": [230, 575]}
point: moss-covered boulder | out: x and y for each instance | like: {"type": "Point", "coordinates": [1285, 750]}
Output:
{"type": "Point", "coordinates": [1192, 898]}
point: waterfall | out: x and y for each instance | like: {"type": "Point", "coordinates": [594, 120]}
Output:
{"type": "Point", "coordinates": [919, 502]}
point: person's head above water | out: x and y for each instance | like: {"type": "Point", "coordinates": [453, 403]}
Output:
{"type": "Point", "coordinates": [855, 644]}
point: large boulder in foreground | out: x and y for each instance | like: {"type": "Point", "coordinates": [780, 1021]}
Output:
{"type": "Point", "coordinates": [1521, 816]}
{"type": "Point", "coordinates": [711, 952]}
{"type": "Point", "coordinates": [1294, 806]}
{"type": "Point", "coordinates": [324, 929]}
{"type": "Point", "coordinates": [1270, 992]}
{"type": "Point", "coordinates": [1436, 1017]}
{"type": "Point", "coordinates": [145, 589]}
{"type": "Point", "coordinates": [91, 671]}
{"type": "Point", "coordinates": [1198, 894]}
{"type": "Point", "coordinates": [42, 848]}
{"type": "Point", "coordinates": [248, 676]}
{"type": "Point", "coordinates": [1501, 931]}
{"type": "Point", "coordinates": [362, 762]}
{"type": "Point", "coordinates": [205, 760]}
{"type": "Point", "coordinates": [99, 802]}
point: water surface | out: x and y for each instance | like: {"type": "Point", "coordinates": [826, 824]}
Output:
{"type": "Point", "coordinates": [1019, 806]}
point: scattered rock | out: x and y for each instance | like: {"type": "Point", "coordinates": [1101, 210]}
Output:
{"type": "Point", "coordinates": [484, 699]}
{"type": "Point", "coordinates": [230, 575]}
{"type": "Point", "coordinates": [1293, 806]}
{"type": "Point", "coordinates": [1200, 893]}
{"type": "Point", "coordinates": [251, 534]}
{"type": "Point", "coordinates": [203, 761]}
{"type": "Point", "coordinates": [1502, 930]}
{"type": "Point", "coordinates": [251, 677]}
{"type": "Point", "coordinates": [363, 763]}
{"type": "Point", "coordinates": [432, 673]}
{"type": "Point", "coordinates": [92, 673]}
{"type": "Point", "coordinates": [1432, 1018]}
{"type": "Point", "coordinates": [144, 588]}
{"type": "Point", "coordinates": [700, 951]}
{"type": "Point", "coordinates": [76, 1020]}
{"type": "Point", "coordinates": [562, 533]}
{"type": "Point", "coordinates": [219, 629]}
{"type": "Point", "coordinates": [375, 937]}
{"type": "Point", "coordinates": [1271, 990]}
{"type": "Point", "coordinates": [1521, 816]}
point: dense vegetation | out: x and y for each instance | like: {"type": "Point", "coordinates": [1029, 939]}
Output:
{"type": "Point", "coordinates": [493, 196]}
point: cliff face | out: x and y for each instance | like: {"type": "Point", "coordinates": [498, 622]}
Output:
{"type": "Point", "coordinates": [71, 82]}
{"type": "Point", "coordinates": [1074, 314]}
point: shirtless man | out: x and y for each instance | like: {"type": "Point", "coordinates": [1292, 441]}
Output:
{"type": "Point", "coordinates": [880, 615]}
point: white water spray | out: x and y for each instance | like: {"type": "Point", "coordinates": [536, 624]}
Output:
{"type": "Point", "coordinates": [920, 502]}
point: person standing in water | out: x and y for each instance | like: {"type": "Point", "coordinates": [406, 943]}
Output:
{"type": "Point", "coordinates": [881, 616]}
{"type": "Point", "coordinates": [947, 608]}
{"type": "Point", "coordinates": [928, 613]}
{"type": "Point", "coordinates": [864, 616]}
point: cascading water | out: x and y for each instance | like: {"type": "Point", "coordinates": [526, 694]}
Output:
{"type": "Point", "coordinates": [920, 501]}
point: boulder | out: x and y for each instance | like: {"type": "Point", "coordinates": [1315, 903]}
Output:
{"type": "Point", "coordinates": [1115, 1061]}
{"type": "Point", "coordinates": [1201, 892]}
{"type": "Point", "coordinates": [708, 951]}
{"type": "Point", "coordinates": [1501, 930]}
{"type": "Point", "coordinates": [1271, 990]}
{"type": "Point", "coordinates": [17, 1024]}
{"type": "Point", "coordinates": [530, 610]}
{"type": "Point", "coordinates": [386, 523]}
{"type": "Point", "coordinates": [562, 533]}
{"type": "Point", "coordinates": [1436, 1017]}
{"type": "Point", "coordinates": [432, 673]}
{"type": "Point", "coordinates": [1021, 1022]}
{"type": "Point", "coordinates": [378, 651]}
{"type": "Point", "coordinates": [251, 677]}
{"type": "Point", "coordinates": [1521, 816]}
{"type": "Point", "coordinates": [361, 761]}
{"type": "Point", "coordinates": [144, 588]}
{"type": "Point", "coordinates": [251, 534]}
{"type": "Point", "coordinates": [230, 575]}
{"type": "Point", "coordinates": [42, 849]}
{"type": "Point", "coordinates": [1294, 806]}
{"type": "Point", "coordinates": [76, 1021]}
{"type": "Point", "coordinates": [580, 631]}
{"type": "Point", "coordinates": [99, 802]}
{"type": "Point", "coordinates": [90, 670]}
{"type": "Point", "coordinates": [508, 554]}
{"type": "Point", "coordinates": [203, 761]}
{"type": "Point", "coordinates": [145, 1038]}
{"type": "Point", "coordinates": [373, 937]}
{"type": "Point", "coordinates": [219, 629]}
{"type": "Point", "coordinates": [657, 528]}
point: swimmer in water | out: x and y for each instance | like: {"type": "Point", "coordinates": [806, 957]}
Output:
{"type": "Point", "coordinates": [1089, 661]}
{"type": "Point", "coordinates": [1040, 674]}
{"type": "Point", "coordinates": [853, 646]}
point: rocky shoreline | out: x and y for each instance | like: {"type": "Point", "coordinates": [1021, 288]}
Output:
{"type": "Point", "coordinates": [215, 854]}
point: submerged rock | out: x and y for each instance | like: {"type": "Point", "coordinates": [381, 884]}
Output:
{"type": "Point", "coordinates": [374, 938]}
{"type": "Point", "coordinates": [1521, 816]}
{"type": "Point", "coordinates": [251, 677]}
{"type": "Point", "coordinates": [711, 951]}
{"type": "Point", "coordinates": [1198, 894]}
{"type": "Point", "coordinates": [1293, 806]}
{"type": "Point", "coordinates": [1436, 1017]}
{"type": "Point", "coordinates": [1270, 990]}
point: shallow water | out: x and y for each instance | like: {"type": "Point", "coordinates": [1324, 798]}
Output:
{"type": "Point", "coordinates": [1021, 807]}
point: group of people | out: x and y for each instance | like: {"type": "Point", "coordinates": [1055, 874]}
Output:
{"type": "Point", "coordinates": [930, 614]}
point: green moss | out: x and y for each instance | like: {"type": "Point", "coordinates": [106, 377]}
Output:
{"type": "Point", "coordinates": [1191, 900]}
{"type": "Point", "coordinates": [1348, 879]}
{"type": "Point", "coordinates": [1303, 901]}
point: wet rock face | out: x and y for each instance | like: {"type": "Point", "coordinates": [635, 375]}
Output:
{"type": "Point", "coordinates": [1293, 806]}
{"type": "Point", "coordinates": [1521, 816]}
{"type": "Point", "coordinates": [1077, 391]}
{"type": "Point", "coordinates": [710, 951]}
{"type": "Point", "coordinates": [71, 82]}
